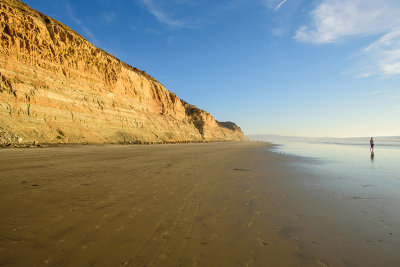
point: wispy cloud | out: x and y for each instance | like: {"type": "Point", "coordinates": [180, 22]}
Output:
{"type": "Point", "coordinates": [274, 5]}
{"type": "Point", "coordinates": [279, 5]}
{"type": "Point", "coordinates": [385, 53]}
{"type": "Point", "coordinates": [89, 34]}
{"type": "Point", "coordinates": [282, 22]}
{"type": "Point", "coordinates": [333, 20]}
{"type": "Point", "coordinates": [336, 20]}
{"type": "Point", "coordinates": [189, 14]}
{"type": "Point", "coordinates": [161, 15]}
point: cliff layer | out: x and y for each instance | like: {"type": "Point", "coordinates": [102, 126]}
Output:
{"type": "Point", "coordinates": [56, 87]}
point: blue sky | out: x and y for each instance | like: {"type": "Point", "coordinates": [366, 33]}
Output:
{"type": "Point", "coordinates": [291, 67]}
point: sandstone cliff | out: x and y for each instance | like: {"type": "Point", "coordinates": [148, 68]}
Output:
{"type": "Point", "coordinates": [56, 87]}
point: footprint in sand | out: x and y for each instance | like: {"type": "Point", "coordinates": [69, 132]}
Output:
{"type": "Point", "coordinates": [203, 242]}
{"type": "Point", "coordinates": [165, 235]}
{"type": "Point", "coordinates": [322, 263]}
{"type": "Point", "coordinates": [250, 263]}
{"type": "Point", "coordinates": [251, 223]}
{"type": "Point", "coordinates": [262, 242]}
{"type": "Point", "coordinates": [164, 254]}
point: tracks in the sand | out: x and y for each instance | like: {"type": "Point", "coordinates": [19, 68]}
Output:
{"type": "Point", "coordinates": [117, 205]}
{"type": "Point", "coordinates": [175, 226]}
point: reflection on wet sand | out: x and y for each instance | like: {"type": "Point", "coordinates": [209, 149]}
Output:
{"type": "Point", "coordinates": [354, 196]}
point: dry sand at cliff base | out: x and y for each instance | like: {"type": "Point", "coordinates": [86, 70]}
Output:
{"type": "Point", "coordinates": [216, 204]}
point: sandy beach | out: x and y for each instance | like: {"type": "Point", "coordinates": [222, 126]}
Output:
{"type": "Point", "coordinates": [216, 204]}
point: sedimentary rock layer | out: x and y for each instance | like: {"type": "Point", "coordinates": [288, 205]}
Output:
{"type": "Point", "coordinates": [56, 87]}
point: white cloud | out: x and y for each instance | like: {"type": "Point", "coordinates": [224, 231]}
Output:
{"type": "Point", "coordinates": [336, 20]}
{"type": "Point", "coordinates": [279, 5]}
{"type": "Point", "coordinates": [161, 15]}
{"type": "Point", "coordinates": [385, 53]}
{"type": "Point", "coordinates": [273, 4]}
{"type": "Point", "coordinates": [190, 14]}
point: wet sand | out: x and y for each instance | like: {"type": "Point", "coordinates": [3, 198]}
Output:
{"type": "Point", "coordinates": [220, 204]}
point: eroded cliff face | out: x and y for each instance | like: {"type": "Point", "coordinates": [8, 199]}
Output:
{"type": "Point", "coordinates": [56, 87]}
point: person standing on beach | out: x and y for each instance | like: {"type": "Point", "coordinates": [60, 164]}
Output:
{"type": "Point", "coordinates": [371, 142]}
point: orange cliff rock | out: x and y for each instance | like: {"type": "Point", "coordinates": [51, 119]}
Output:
{"type": "Point", "coordinates": [56, 87]}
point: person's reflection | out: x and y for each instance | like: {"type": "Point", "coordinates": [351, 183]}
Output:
{"type": "Point", "coordinates": [372, 156]}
